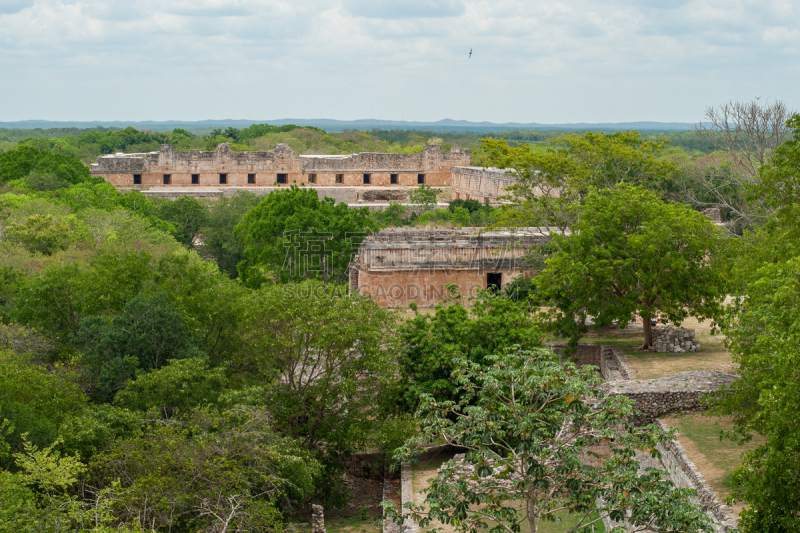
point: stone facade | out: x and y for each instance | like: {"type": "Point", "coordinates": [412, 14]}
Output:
{"type": "Point", "coordinates": [398, 266]}
{"type": "Point", "coordinates": [281, 166]}
{"type": "Point", "coordinates": [483, 184]}
{"type": "Point", "coordinates": [676, 340]}
{"type": "Point", "coordinates": [488, 185]}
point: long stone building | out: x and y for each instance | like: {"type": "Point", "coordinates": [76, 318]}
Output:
{"type": "Point", "coordinates": [397, 266]}
{"type": "Point", "coordinates": [281, 166]}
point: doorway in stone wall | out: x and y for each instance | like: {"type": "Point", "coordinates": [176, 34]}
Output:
{"type": "Point", "coordinates": [494, 281]}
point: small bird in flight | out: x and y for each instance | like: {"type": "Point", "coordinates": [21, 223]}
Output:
{"type": "Point", "coordinates": [758, 98]}
{"type": "Point", "coordinates": [470, 53]}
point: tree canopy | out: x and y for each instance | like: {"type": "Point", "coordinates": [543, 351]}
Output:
{"type": "Point", "coordinates": [293, 235]}
{"type": "Point", "coordinates": [551, 182]}
{"type": "Point", "coordinates": [433, 344]}
{"type": "Point", "coordinates": [632, 254]}
{"type": "Point", "coordinates": [524, 421]}
{"type": "Point", "coordinates": [20, 162]}
{"type": "Point", "coordinates": [763, 335]}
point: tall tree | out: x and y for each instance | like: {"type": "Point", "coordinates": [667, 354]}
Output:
{"type": "Point", "coordinates": [747, 133]}
{"type": "Point", "coordinates": [763, 331]}
{"type": "Point", "coordinates": [187, 215]}
{"type": "Point", "coordinates": [550, 183]}
{"type": "Point", "coordinates": [326, 364]}
{"type": "Point", "coordinates": [630, 253]}
{"type": "Point", "coordinates": [763, 335]}
{"type": "Point", "coordinates": [527, 423]}
{"type": "Point", "coordinates": [293, 235]}
{"type": "Point", "coordinates": [18, 163]}
{"type": "Point", "coordinates": [327, 354]}
{"type": "Point", "coordinates": [148, 333]}
{"type": "Point", "coordinates": [219, 240]}
{"type": "Point", "coordinates": [431, 343]}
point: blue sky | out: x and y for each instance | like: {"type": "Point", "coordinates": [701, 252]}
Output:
{"type": "Point", "coordinates": [533, 61]}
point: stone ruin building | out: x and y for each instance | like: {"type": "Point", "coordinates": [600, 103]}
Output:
{"type": "Point", "coordinates": [398, 266]}
{"type": "Point", "coordinates": [171, 173]}
{"type": "Point", "coordinates": [486, 185]}
{"type": "Point", "coordinates": [281, 166]}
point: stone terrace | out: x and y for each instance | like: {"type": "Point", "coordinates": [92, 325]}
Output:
{"type": "Point", "coordinates": [683, 391]}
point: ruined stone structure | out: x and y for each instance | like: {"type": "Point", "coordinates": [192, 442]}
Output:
{"type": "Point", "coordinates": [317, 519]}
{"type": "Point", "coordinates": [281, 166]}
{"type": "Point", "coordinates": [483, 184]}
{"type": "Point", "coordinates": [656, 397]}
{"type": "Point", "coordinates": [684, 391]}
{"type": "Point", "coordinates": [676, 340]}
{"type": "Point", "coordinates": [398, 266]}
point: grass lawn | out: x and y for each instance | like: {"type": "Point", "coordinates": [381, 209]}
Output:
{"type": "Point", "coordinates": [648, 365]}
{"type": "Point", "coordinates": [715, 458]}
{"type": "Point", "coordinates": [345, 525]}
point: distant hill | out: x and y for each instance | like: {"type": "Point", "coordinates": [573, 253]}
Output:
{"type": "Point", "coordinates": [365, 124]}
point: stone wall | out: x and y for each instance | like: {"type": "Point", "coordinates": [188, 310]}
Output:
{"type": "Point", "coordinates": [407, 496]}
{"type": "Point", "coordinates": [368, 465]}
{"type": "Point", "coordinates": [614, 364]}
{"type": "Point", "coordinates": [684, 474]}
{"type": "Point", "coordinates": [683, 391]}
{"type": "Point", "coordinates": [655, 397]}
{"type": "Point", "coordinates": [482, 184]}
{"type": "Point", "coordinates": [588, 353]}
{"type": "Point", "coordinates": [676, 340]}
{"type": "Point", "coordinates": [432, 167]}
{"type": "Point", "coordinates": [425, 287]}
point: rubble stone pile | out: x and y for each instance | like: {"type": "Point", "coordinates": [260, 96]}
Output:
{"type": "Point", "coordinates": [672, 339]}
{"type": "Point", "coordinates": [317, 519]}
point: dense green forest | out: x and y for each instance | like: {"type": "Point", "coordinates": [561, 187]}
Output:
{"type": "Point", "coordinates": [164, 366]}
{"type": "Point", "coordinates": [87, 144]}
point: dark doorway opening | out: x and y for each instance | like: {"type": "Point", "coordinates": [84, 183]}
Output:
{"type": "Point", "coordinates": [393, 179]}
{"type": "Point", "coordinates": [251, 178]}
{"type": "Point", "coordinates": [166, 179]}
{"type": "Point", "coordinates": [420, 179]}
{"type": "Point", "coordinates": [366, 179]}
{"type": "Point", "coordinates": [223, 179]}
{"type": "Point", "coordinates": [283, 178]}
{"type": "Point", "coordinates": [137, 179]}
{"type": "Point", "coordinates": [494, 281]}
{"type": "Point", "coordinates": [195, 179]}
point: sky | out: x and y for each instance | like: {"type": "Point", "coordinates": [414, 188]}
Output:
{"type": "Point", "coordinates": [532, 61]}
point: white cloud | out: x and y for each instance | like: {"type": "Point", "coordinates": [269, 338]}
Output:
{"type": "Point", "coordinates": [392, 9]}
{"type": "Point", "coordinates": [781, 35]}
{"type": "Point", "coordinates": [612, 59]}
